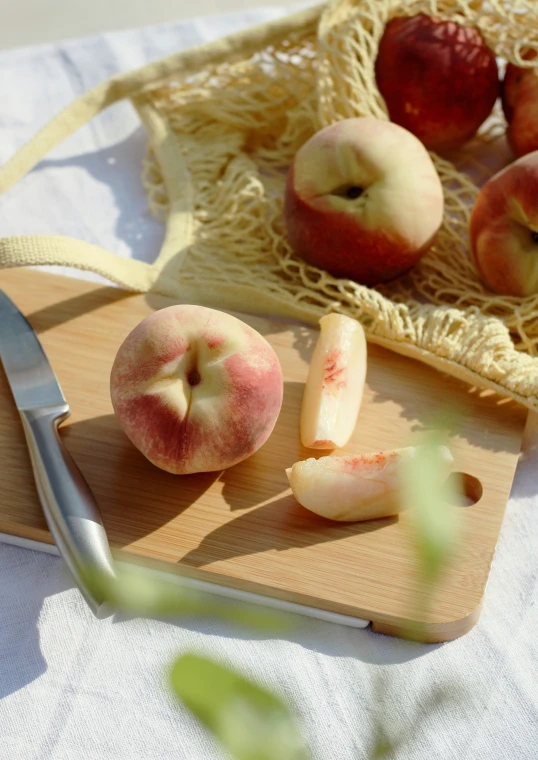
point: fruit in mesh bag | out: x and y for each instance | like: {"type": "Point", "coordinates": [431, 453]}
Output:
{"type": "Point", "coordinates": [520, 106]}
{"type": "Point", "coordinates": [196, 389]}
{"type": "Point", "coordinates": [363, 200]}
{"type": "Point", "coordinates": [438, 78]}
{"type": "Point", "coordinates": [504, 229]}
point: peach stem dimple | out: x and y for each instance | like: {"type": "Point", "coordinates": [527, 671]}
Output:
{"type": "Point", "coordinates": [354, 192]}
{"type": "Point", "coordinates": [193, 378]}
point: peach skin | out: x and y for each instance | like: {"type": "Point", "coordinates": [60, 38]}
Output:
{"type": "Point", "coordinates": [520, 105]}
{"type": "Point", "coordinates": [363, 200]}
{"type": "Point", "coordinates": [195, 389]}
{"type": "Point", "coordinates": [504, 229]}
{"type": "Point", "coordinates": [439, 79]}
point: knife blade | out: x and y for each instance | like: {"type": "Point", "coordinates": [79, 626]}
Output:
{"type": "Point", "coordinates": [30, 376]}
{"type": "Point", "coordinates": [68, 504]}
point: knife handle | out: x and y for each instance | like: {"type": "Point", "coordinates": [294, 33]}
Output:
{"type": "Point", "coordinates": [69, 506]}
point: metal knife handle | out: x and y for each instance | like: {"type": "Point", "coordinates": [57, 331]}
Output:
{"type": "Point", "coordinates": [69, 505]}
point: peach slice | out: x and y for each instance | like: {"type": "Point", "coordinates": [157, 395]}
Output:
{"type": "Point", "coordinates": [335, 383]}
{"type": "Point", "coordinates": [353, 488]}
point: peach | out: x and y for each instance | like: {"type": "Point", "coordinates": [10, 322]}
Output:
{"type": "Point", "coordinates": [520, 105]}
{"type": "Point", "coordinates": [335, 383]}
{"type": "Point", "coordinates": [504, 229]}
{"type": "Point", "coordinates": [439, 79]}
{"type": "Point", "coordinates": [196, 389]}
{"type": "Point", "coordinates": [363, 200]}
{"type": "Point", "coordinates": [353, 488]}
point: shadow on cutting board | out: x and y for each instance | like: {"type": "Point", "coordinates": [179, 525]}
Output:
{"type": "Point", "coordinates": [144, 506]}
{"type": "Point", "coordinates": [480, 417]}
{"type": "Point", "coordinates": [64, 311]}
{"type": "Point", "coordinates": [191, 518]}
{"type": "Point", "coordinates": [135, 497]}
{"type": "Point", "coordinates": [280, 525]}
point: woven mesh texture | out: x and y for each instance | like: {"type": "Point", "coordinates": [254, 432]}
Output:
{"type": "Point", "coordinates": [238, 127]}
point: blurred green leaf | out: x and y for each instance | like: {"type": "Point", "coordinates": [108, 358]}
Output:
{"type": "Point", "coordinates": [139, 591]}
{"type": "Point", "coordinates": [432, 497]}
{"type": "Point", "coordinates": [383, 747]}
{"type": "Point", "coordinates": [249, 722]}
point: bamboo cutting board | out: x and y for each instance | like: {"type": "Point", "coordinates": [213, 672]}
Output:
{"type": "Point", "coordinates": [242, 527]}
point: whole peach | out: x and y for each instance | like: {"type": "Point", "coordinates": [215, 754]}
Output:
{"type": "Point", "coordinates": [195, 389]}
{"type": "Point", "coordinates": [520, 105]}
{"type": "Point", "coordinates": [504, 229]}
{"type": "Point", "coordinates": [363, 200]}
{"type": "Point", "coordinates": [439, 79]}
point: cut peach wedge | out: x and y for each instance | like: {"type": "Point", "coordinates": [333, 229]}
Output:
{"type": "Point", "coordinates": [353, 488]}
{"type": "Point", "coordinates": [335, 383]}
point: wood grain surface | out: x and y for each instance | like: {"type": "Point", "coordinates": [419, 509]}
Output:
{"type": "Point", "coordinates": [242, 527]}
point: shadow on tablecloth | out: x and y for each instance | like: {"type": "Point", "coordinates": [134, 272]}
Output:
{"type": "Point", "coordinates": [28, 578]}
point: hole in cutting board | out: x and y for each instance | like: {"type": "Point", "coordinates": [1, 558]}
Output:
{"type": "Point", "coordinates": [466, 488]}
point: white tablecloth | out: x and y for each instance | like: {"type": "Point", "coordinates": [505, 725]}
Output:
{"type": "Point", "coordinates": [73, 687]}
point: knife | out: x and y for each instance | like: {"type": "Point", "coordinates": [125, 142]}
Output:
{"type": "Point", "coordinates": [68, 504]}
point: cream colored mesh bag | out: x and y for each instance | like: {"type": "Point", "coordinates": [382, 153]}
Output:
{"type": "Point", "coordinates": [224, 122]}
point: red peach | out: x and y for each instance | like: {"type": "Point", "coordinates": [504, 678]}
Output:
{"type": "Point", "coordinates": [520, 105]}
{"type": "Point", "coordinates": [504, 229]}
{"type": "Point", "coordinates": [195, 389]}
{"type": "Point", "coordinates": [438, 78]}
{"type": "Point", "coordinates": [363, 200]}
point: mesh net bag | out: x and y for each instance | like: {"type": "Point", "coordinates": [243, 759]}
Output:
{"type": "Point", "coordinates": [225, 121]}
